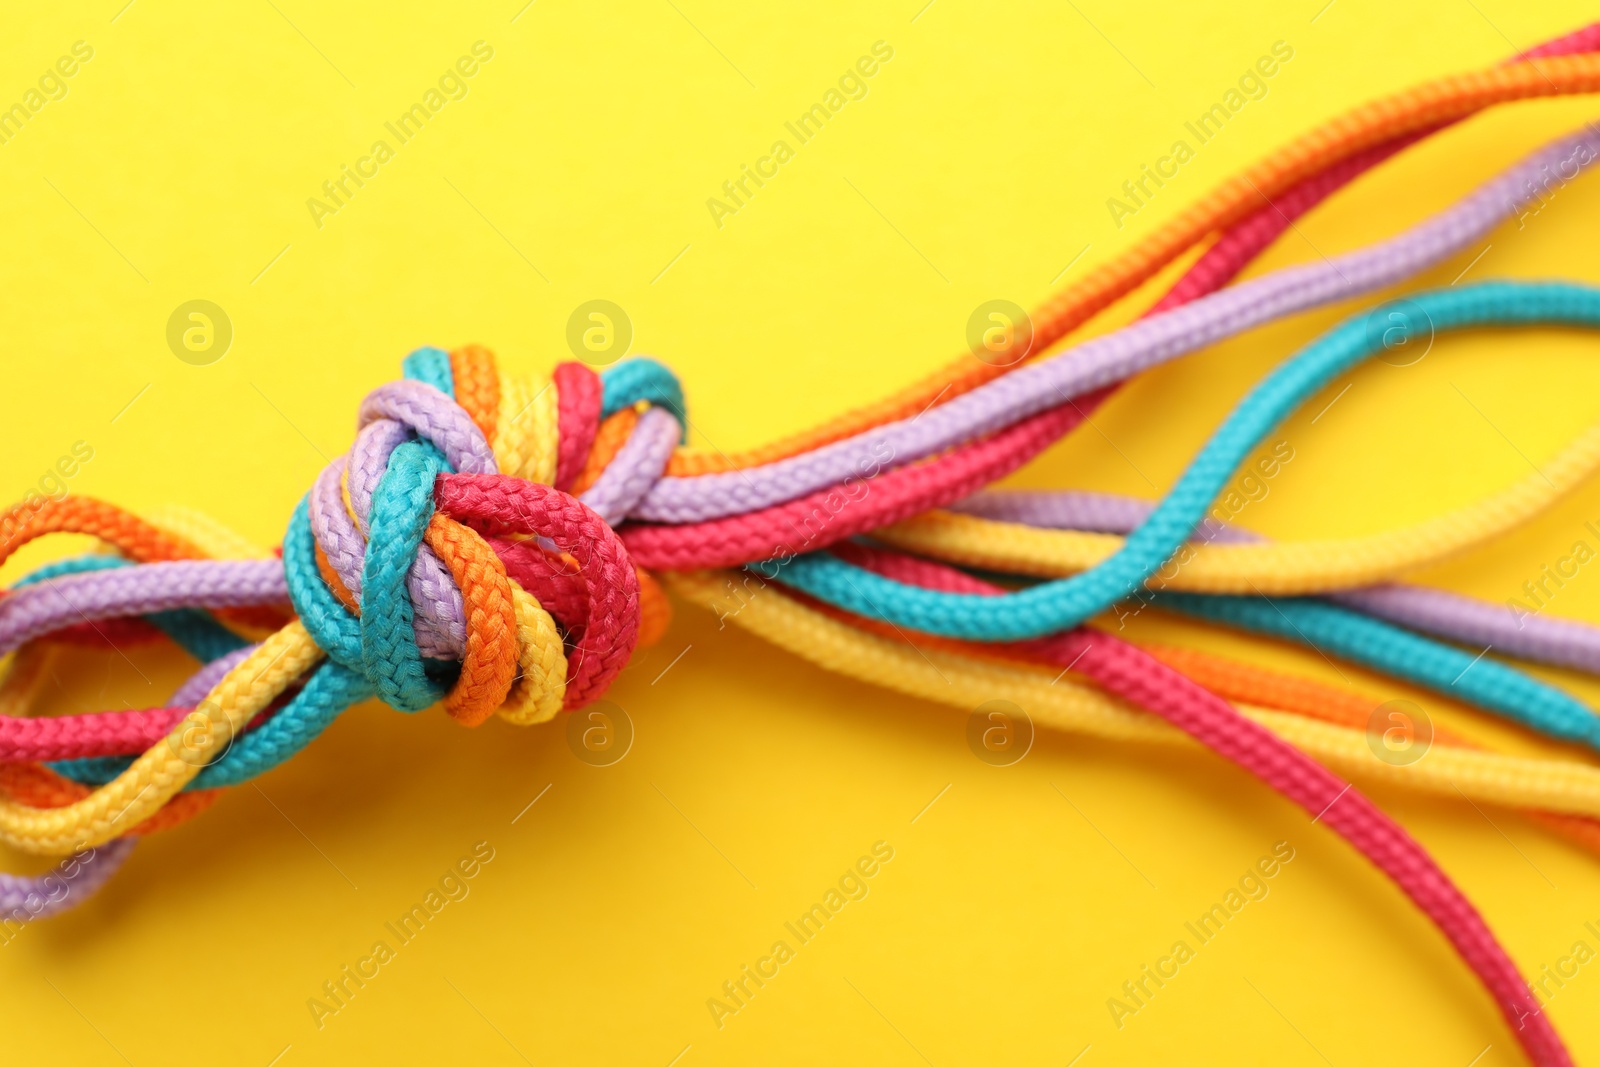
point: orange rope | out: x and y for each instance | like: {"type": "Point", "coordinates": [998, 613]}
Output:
{"type": "Point", "coordinates": [489, 663]}
{"type": "Point", "coordinates": [40, 787]}
{"type": "Point", "coordinates": [655, 611]}
{"type": "Point", "coordinates": [1256, 685]}
{"type": "Point", "coordinates": [1367, 125]}
{"type": "Point", "coordinates": [608, 439]}
{"type": "Point", "coordinates": [477, 386]}
{"type": "Point", "coordinates": [139, 540]}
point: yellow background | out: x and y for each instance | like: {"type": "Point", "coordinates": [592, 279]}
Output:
{"type": "Point", "coordinates": [178, 167]}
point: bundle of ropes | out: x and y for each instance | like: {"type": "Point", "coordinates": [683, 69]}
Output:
{"type": "Point", "coordinates": [501, 545]}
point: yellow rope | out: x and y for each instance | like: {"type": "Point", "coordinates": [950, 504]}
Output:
{"type": "Point", "coordinates": [207, 534]}
{"type": "Point", "coordinates": [962, 681]}
{"type": "Point", "coordinates": [1284, 568]}
{"type": "Point", "coordinates": [525, 439]}
{"type": "Point", "coordinates": [542, 678]}
{"type": "Point", "coordinates": [165, 768]}
{"type": "Point", "coordinates": [1493, 777]}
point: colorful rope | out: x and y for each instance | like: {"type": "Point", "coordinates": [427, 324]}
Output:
{"type": "Point", "coordinates": [483, 546]}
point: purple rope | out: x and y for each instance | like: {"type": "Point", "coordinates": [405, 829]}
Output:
{"type": "Point", "coordinates": [369, 456]}
{"type": "Point", "coordinates": [34, 610]}
{"type": "Point", "coordinates": [434, 417]}
{"type": "Point", "coordinates": [74, 879]}
{"type": "Point", "coordinates": [1075, 510]}
{"type": "Point", "coordinates": [1112, 357]}
{"type": "Point", "coordinates": [389, 415]}
{"type": "Point", "coordinates": [637, 466]}
{"type": "Point", "coordinates": [1541, 638]}
{"type": "Point", "coordinates": [394, 409]}
{"type": "Point", "coordinates": [440, 633]}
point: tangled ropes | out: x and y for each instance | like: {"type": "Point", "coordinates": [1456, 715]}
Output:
{"type": "Point", "coordinates": [421, 572]}
{"type": "Point", "coordinates": [494, 590]}
{"type": "Point", "coordinates": [497, 544]}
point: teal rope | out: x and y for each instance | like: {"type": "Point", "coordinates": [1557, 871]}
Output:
{"type": "Point", "coordinates": [402, 506]}
{"type": "Point", "coordinates": [1059, 605]}
{"type": "Point", "coordinates": [430, 366]}
{"type": "Point", "coordinates": [71, 565]}
{"type": "Point", "coordinates": [1330, 629]}
{"type": "Point", "coordinates": [330, 624]}
{"type": "Point", "coordinates": [1052, 606]}
{"type": "Point", "coordinates": [330, 690]}
{"type": "Point", "coordinates": [642, 379]}
{"type": "Point", "coordinates": [628, 383]}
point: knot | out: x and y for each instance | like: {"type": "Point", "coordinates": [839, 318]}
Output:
{"type": "Point", "coordinates": [463, 550]}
